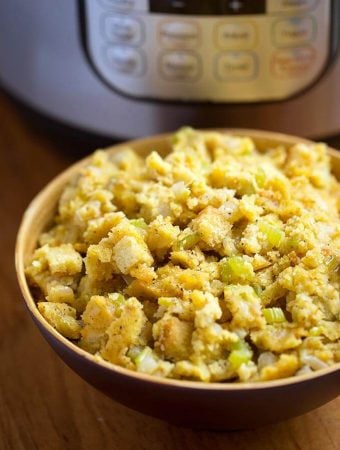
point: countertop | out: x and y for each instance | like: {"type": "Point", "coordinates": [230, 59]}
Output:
{"type": "Point", "coordinates": [43, 404]}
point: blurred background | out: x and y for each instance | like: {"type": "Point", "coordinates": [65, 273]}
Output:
{"type": "Point", "coordinates": [121, 69]}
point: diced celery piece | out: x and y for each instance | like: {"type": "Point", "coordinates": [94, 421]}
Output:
{"type": "Point", "coordinates": [315, 331]}
{"type": "Point", "coordinates": [187, 242]}
{"type": "Point", "coordinates": [241, 353]}
{"type": "Point", "coordinates": [240, 344]}
{"type": "Point", "coordinates": [235, 268]}
{"type": "Point", "coordinates": [205, 165]}
{"type": "Point", "coordinates": [274, 315]}
{"type": "Point", "coordinates": [165, 301]}
{"type": "Point", "coordinates": [274, 235]}
{"type": "Point", "coordinates": [248, 145]}
{"type": "Point", "coordinates": [139, 223]}
{"type": "Point", "coordinates": [182, 134]}
{"type": "Point", "coordinates": [239, 357]}
{"type": "Point", "coordinates": [258, 290]}
{"type": "Point", "coordinates": [134, 352]}
{"type": "Point", "coordinates": [333, 264]}
{"type": "Point", "coordinates": [190, 241]}
{"type": "Point", "coordinates": [246, 187]}
{"type": "Point", "coordinates": [118, 299]}
{"type": "Point", "coordinates": [138, 354]}
{"type": "Point", "coordinates": [260, 177]}
{"type": "Point", "coordinates": [175, 139]}
{"type": "Point", "coordinates": [293, 242]}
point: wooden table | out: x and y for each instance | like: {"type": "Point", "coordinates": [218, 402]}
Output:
{"type": "Point", "coordinates": [43, 404]}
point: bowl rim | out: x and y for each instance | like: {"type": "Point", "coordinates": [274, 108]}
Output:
{"type": "Point", "coordinates": [60, 180]}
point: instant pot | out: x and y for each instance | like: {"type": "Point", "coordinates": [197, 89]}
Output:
{"type": "Point", "coordinates": [127, 68]}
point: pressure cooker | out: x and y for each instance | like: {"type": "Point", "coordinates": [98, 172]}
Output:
{"type": "Point", "coordinates": [127, 68]}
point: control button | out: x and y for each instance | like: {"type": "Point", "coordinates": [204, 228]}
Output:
{"type": "Point", "coordinates": [125, 59]}
{"type": "Point", "coordinates": [179, 34]}
{"type": "Point", "coordinates": [235, 66]}
{"type": "Point", "coordinates": [235, 36]}
{"type": "Point", "coordinates": [292, 63]}
{"type": "Point", "coordinates": [123, 29]}
{"type": "Point", "coordinates": [243, 7]}
{"type": "Point", "coordinates": [294, 31]}
{"type": "Point", "coordinates": [290, 6]}
{"type": "Point", "coordinates": [180, 65]}
{"type": "Point", "coordinates": [126, 5]}
{"type": "Point", "coordinates": [208, 8]}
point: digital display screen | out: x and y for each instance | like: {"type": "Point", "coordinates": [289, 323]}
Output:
{"type": "Point", "coordinates": [208, 7]}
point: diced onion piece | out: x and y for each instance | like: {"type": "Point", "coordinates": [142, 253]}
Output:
{"type": "Point", "coordinates": [266, 359]}
{"type": "Point", "coordinates": [303, 371]}
{"type": "Point", "coordinates": [145, 361]}
{"type": "Point", "coordinates": [118, 299]}
{"type": "Point", "coordinates": [312, 361]}
{"type": "Point", "coordinates": [134, 352]}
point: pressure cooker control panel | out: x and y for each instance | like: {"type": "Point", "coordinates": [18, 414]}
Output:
{"type": "Point", "coordinates": [216, 50]}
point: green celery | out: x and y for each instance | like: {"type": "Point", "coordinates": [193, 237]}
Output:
{"type": "Point", "coordinates": [274, 315]}
{"type": "Point", "coordinates": [241, 353]}
{"type": "Point", "coordinates": [139, 223]}
{"type": "Point", "coordinates": [260, 177]}
{"type": "Point", "coordinates": [187, 242]}
{"type": "Point", "coordinates": [235, 268]}
{"type": "Point", "coordinates": [274, 235]}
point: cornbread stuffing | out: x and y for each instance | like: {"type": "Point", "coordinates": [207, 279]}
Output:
{"type": "Point", "coordinates": [216, 262]}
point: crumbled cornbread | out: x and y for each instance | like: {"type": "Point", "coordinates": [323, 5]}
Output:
{"type": "Point", "coordinates": [216, 262]}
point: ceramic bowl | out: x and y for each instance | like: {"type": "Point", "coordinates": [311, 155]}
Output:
{"type": "Point", "coordinates": [187, 403]}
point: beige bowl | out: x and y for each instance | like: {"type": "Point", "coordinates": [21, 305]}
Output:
{"type": "Point", "coordinates": [195, 404]}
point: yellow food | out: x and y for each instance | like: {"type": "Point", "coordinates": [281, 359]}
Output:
{"type": "Point", "coordinates": [216, 262]}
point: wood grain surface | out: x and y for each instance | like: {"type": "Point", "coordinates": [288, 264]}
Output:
{"type": "Point", "coordinates": [43, 404]}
